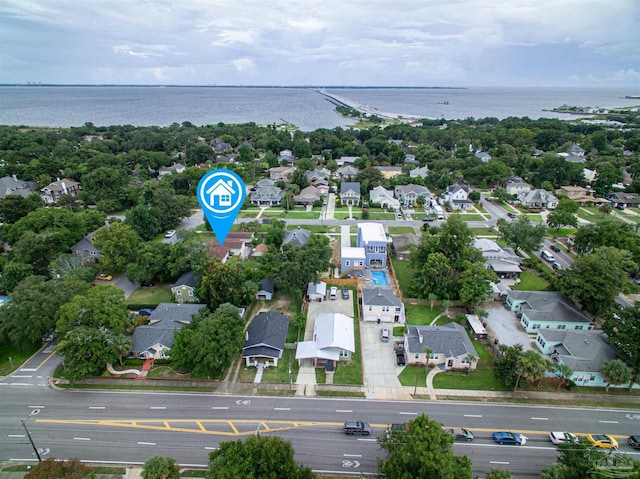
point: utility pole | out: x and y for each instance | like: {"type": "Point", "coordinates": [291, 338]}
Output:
{"type": "Point", "coordinates": [35, 449]}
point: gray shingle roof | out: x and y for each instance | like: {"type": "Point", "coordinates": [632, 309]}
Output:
{"type": "Point", "coordinates": [267, 285]}
{"type": "Point", "coordinates": [450, 339]}
{"type": "Point", "coordinates": [266, 335]}
{"type": "Point", "coordinates": [297, 237]}
{"type": "Point", "coordinates": [187, 279]}
{"type": "Point", "coordinates": [548, 306]}
{"type": "Point", "coordinates": [582, 351]}
{"type": "Point", "coordinates": [380, 297]}
{"type": "Point", "coordinates": [347, 186]}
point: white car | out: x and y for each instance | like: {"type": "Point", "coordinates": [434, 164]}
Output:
{"type": "Point", "coordinates": [170, 233]}
{"type": "Point", "coordinates": [563, 438]}
{"type": "Point", "coordinates": [333, 293]}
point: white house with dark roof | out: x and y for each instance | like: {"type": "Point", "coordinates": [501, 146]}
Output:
{"type": "Point", "coordinates": [538, 199]}
{"type": "Point", "coordinates": [85, 249]}
{"type": "Point", "coordinates": [265, 338]}
{"type": "Point", "coordinates": [621, 199]}
{"type": "Point", "coordinates": [450, 344]}
{"type": "Point", "coordinates": [155, 340]}
{"type": "Point", "coordinates": [546, 310]}
{"type": "Point", "coordinates": [516, 185]}
{"type": "Point", "coordinates": [265, 290]}
{"type": "Point", "coordinates": [457, 196]}
{"type": "Point", "coordinates": [346, 172]}
{"type": "Point", "coordinates": [267, 196]}
{"type": "Point", "coordinates": [333, 341]}
{"type": "Point", "coordinates": [408, 194]}
{"type": "Point", "coordinates": [11, 185]}
{"type": "Point", "coordinates": [296, 238]}
{"type": "Point", "coordinates": [380, 304]}
{"type": "Point", "coordinates": [53, 191]}
{"type": "Point", "coordinates": [184, 290]}
{"type": "Point", "coordinates": [383, 197]}
{"type": "Point", "coordinates": [583, 351]}
{"type": "Point", "coordinates": [350, 193]}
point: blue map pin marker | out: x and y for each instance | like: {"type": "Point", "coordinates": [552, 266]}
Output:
{"type": "Point", "coordinates": [221, 194]}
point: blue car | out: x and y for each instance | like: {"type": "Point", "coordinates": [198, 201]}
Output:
{"type": "Point", "coordinates": [509, 438]}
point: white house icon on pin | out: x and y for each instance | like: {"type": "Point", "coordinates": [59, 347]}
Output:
{"type": "Point", "coordinates": [220, 193]}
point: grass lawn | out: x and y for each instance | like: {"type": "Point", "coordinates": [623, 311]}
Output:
{"type": "Point", "coordinates": [248, 214]}
{"type": "Point", "coordinates": [481, 350]}
{"type": "Point", "coordinates": [305, 215]}
{"type": "Point", "coordinates": [404, 274]}
{"type": "Point", "coordinates": [154, 295]}
{"type": "Point", "coordinates": [400, 230]}
{"type": "Point", "coordinates": [316, 228]}
{"type": "Point", "coordinates": [351, 373]}
{"type": "Point", "coordinates": [343, 215]}
{"type": "Point", "coordinates": [530, 281]}
{"type": "Point", "coordinates": [471, 216]}
{"type": "Point", "coordinates": [281, 374]}
{"type": "Point", "coordinates": [381, 215]}
{"type": "Point", "coordinates": [535, 217]}
{"type": "Point", "coordinates": [274, 214]}
{"type": "Point", "coordinates": [484, 231]}
{"type": "Point", "coordinates": [399, 331]}
{"type": "Point", "coordinates": [563, 232]}
{"type": "Point", "coordinates": [421, 314]}
{"type": "Point", "coordinates": [321, 376]}
{"type": "Point", "coordinates": [482, 379]}
{"type": "Point", "coordinates": [17, 357]}
{"type": "Point", "coordinates": [408, 376]}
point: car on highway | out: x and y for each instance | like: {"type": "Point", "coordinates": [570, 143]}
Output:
{"type": "Point", "coordinates": [511, 215]}
{"type": "Point", "coordinates": [428, 218]}
{"type": "Point", "coordinates": [634, 441]}
{"type": "Point", "coordinates": [513, 438]}
{"type": "Point", "coordinates": [563, 438]}
{"type": "Point", "coordinates": [557, 266]}
{"type": "Point", "coordinates": [555, 248]}
{"type": "Point", "coordinates": [170, 233]}
{"type": "Point", "coordinates": [603, 441]}
{"type": "Point", "coordinates": [459, 433]}
{"type": "Point", "coordinates": [104, 277]}
{"type": "Point", "coordinates": [352, 426]}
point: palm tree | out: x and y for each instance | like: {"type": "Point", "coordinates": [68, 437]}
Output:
{"type": "Point", "coordinates": [428, 352]}
{"type": "Point", "coordinates": [565, 373]}
{"type": "Point", "coordinates": [615, 371]}
{"type": "Point", "coordinates": [471, 358]}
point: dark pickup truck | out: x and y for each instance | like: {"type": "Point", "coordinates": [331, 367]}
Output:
{"type": "Point", "coordinates": [401, 355]}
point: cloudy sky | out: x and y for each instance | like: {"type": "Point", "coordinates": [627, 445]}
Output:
{"type": "Point", "coordinates": [322, 42]}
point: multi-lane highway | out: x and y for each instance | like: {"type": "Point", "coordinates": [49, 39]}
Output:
{"type": "Point", "coordinates": [101, 426]}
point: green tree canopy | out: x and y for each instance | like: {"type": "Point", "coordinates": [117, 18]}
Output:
{"type": "Point", "coordinates": [623, 332]}
{"type": "Point", "coordinates": [615, 371]}
{"type": "Point", "coordinates": [521, 233]}
{"type": "Point", "coordinates": [160, 467]}
{"type": "Point", "coordinates": [423, 449]}
{"type": "Point", "coordinates": [118, 245]}
{"type": "Point", "coordinates": [563, 215]}
{"type": "Point", "coordinates": [52, 467]}
{"type": "Point", "coordinates": [99, 307]}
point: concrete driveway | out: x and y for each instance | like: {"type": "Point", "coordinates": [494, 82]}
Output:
{"type": "Point", "coordinates": [504, 326]}
{"type": "Point", "coordinates": [378, 358]}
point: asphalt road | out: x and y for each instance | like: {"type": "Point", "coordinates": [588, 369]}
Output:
{"type": "Point", "coordinates": [103, 426]}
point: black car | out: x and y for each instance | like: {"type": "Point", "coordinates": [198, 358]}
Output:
{"type": "Point", "coordinates": [555, 248]}
{"type": "Point", "coordinates": [634, 441]}
{"type": "Point", "coordinates": [352, 426]}
{"type": "Point", "coordinates": [428, 218]}
{"type": "Point", "coordinates": [511, 215]}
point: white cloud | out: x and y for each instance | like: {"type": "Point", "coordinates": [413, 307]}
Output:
{"type": "Point", "coordinates": [244, 64]}
{"type": "Point", "coordinates": [228, 37]}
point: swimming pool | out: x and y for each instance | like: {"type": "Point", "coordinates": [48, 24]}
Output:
{"type": "Point", "coordinates": [379, 278]}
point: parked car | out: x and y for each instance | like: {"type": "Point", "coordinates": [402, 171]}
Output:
{"type": "Point", "coordinates": [401, 357]}
{"type": "Point", "coordinates": [345, 293]}
{"type": "Point", "coordinates": [104, 277]}
{"type": "Point", "coordinates": [634, 441]}
{"type": "Point", "coordinates": [384, 335]}
{"type": "Point", "coordinates": [170, 233]}
{"type": "Point", "coordinates": [460, 433]}
{"type": "Point", "coordinates": [563, 438]}
{"type": "Point", "coordinates": [511, 215]}
{"type": "Point", "coordinates": [352, 426]}
{"type": "Point", "coordinates": [512, 438]}
{"type": "Point", "coordinates": [557, 266]}
{"type": "Point", "coordinates": [602, 440]}
{"type": "Point", "coordinates": [145, 312]}
{"type": "Point", "coordinates": [428, 218]}
{"type": "Point", "coordinates": [333, 293]}
{"type": "Point", "coordinates": [555, 248]}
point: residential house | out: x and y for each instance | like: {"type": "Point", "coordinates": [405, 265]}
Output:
{"type": "Point", "coordinates": [316, 175]}
{"type": "Point", "coordinates": [220, 146]}
{"type": "Point", "coordinates": [322, 185]}
{"type": "Point", "coordinates": [621, 199]}
{"type": "Point", "coordinates": [410, 159]}
{"type": "Point", "coordinates": [308, 196]}
{"type": "Point", "coordinates": [380, 304]}
{"type": "Point", "coordinates": [538, 199]}
{"type": "Point", "coordinates": [352, 259]}
{"type": "Point", "coordinates": [333, 341]}
{"type": "Point", "coordinates": [266, 289]}
{"type": "Point", "coordinates": [246, 236]}
{"type": "Point", "coordinates": [403, 245]}
{"type": "Point", "coordinates": [383, 197]}
{"type": "Point", "coordinates": [373, 239]}
{"type": "Point", "coordinates": [264, 340]}
{"type": "Point", "coordinates": [574, 149]}
{"type": "Point", "coordinates": [502, 260]}
{"type": "Point", "coordinates": [457, 196]}
{"type": "Point", "coordinates": [53, 191]}
{"type": "Point", "coordinates": [450, 345]}
{"type": "Point", "coordinates": [346, 172]}
{"type": "Point", "coordinates": [421, 172]}
{"type": "Point", "coordinates": [281, 173]}
{"type": "Point", "coordinates": [483, 156]}
{"type": "Point", "coordinates": [389, 171]}
{"type": "Point", "coordinates": [286, 158]}
{"type": "Point", "coordinates": [572, 158]}
{"type": "Point", "coordinates": [220, 252]}
{"type": "Point", "coordinates": [184, 290]}
{"type": "Point", "coordinates": [259, 250]}
{"type": "Point", "coordinates": [85, 249]}
{"type": "Point", "coordinates": [409, 194]}
{"type": "Point", "coordinates": [516, 185]}
{"type": "Point", "coordinates": [236, 247]}
{"type": "Point", "coordinates": [296, 238]}
{"type": "Point", "coordinates": [265, 182]}
{"type": "Point", "coordinates": [267, 196]}
{"type": "Point", "coordinates": [546, 310]}
{"type": "Point", "coordinates": [11, 185]}
{"type": "Point", "coordinates": [583, 351]}
{"type": "Point", "coordinates": [581, 195]}
{"type": "Point", "coordinates": [175, 168]}
{"type": "Point", "coordinates": [155, 340]}
{"type": "Point", "coordinates": [350, 193]}
{"type": "Point", "coordinates": [316, 291]}
{"type": "Point", "coordinates": [347, 160]}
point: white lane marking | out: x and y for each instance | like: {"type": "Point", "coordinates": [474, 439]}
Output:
{"type": "Point", "coordinates": [97, 407]}
{"type": "Point", "coordinates": [473, 415]}
{"type": "Point", "coordinates": [82, 438]}
{"type": "Point", "coordinates": [409, 413]}
{"type": "Point", "coordinates": [36, 407]}
{"type": "Point", "coordinates": [369, 440]}
{"type": "Point", "coordinates": [282, 409]}
{"type": "Point", "coordinates": [609, 422]}
{"type": "Point", "coordinates": [158, 407]}
{"type": "Point", "coordinates": [28, 369]}
{"type": "Point", "coordinates": [540, 418]}
{"type": "Point", "coordinates": [146, 443]}
{"type": "Point", "coordinates": [21, 376]}
{"type": "Point", "coordinates": [344, 410]}
{"type": "Point", "coordinates": [211, 448]}
{"type": "Point", "coordinates": [352, 455]}
{"type": "Point", "coordinates": [19, 384]}
{"type": "Point", "coordinates": [499, 462]}
{"type": "Point", "coordinates": [220, 407]}
{"type": "Point", "coordinates": [15, 435]}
